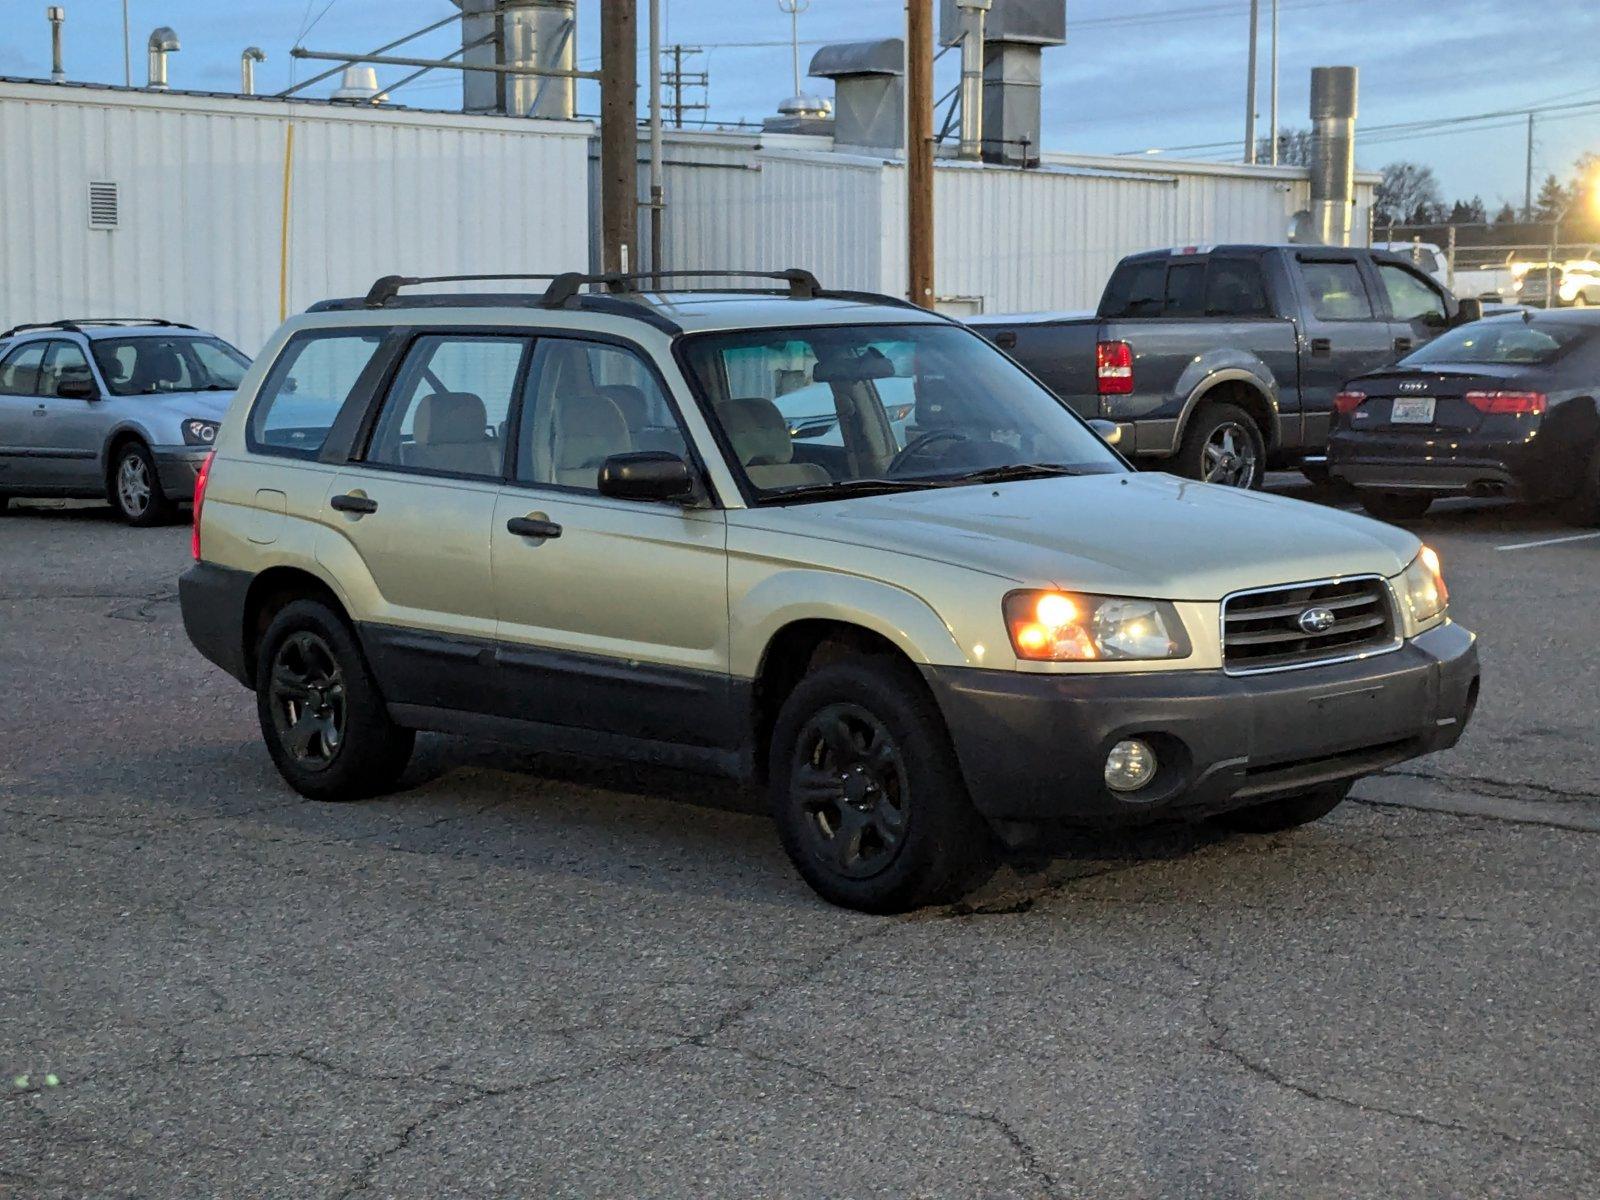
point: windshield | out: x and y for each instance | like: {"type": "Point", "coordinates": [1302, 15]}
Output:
{"type": "Point", "coordinates": [1505, 340]}
{"type": "Point", "coordinates": [899, 407]}
{"type": "Point", "coordinates": [150, 365]}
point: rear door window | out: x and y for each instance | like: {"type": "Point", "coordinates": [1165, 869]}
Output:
{"type": "Point", "coordinates": [450, 406]}
{"type": "Point", "coordinates": [1234, 289]}
{"type": "Point", "coordinates": [311, 381]}
{"type": "Point", "coordinates": [1336, 291]}
{"type": "Point", "coordinates": [19, 373]}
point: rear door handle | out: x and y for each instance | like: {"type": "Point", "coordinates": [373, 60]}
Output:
{"type": "Point", "coordinates": [1321, 347]}
{"type": "Point", "coordinates": [1402, 344]}
{"type": "Point", "coordinates": [533, 527]}
{"type": "Point", "coordinates": [360, 505]}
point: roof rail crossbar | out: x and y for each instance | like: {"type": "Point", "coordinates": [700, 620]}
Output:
{"type": "Point", "coordinates": [803, 284]}
{"type": "Point", "coordinates": [388, 288]}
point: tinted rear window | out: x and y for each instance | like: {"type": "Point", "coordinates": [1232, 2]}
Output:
{"type": "Point", "coordinates": [1503, 340]}
{"type": "Point", "coordinates": [1186, 290]}
{"type": "Point", "coordinates": [1137, 289]}
{"type": "Point", "coordinates": [1190, 287]}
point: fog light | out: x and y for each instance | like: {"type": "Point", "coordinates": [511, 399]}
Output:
{"type": "Point", "coordinates": [1130, 766]}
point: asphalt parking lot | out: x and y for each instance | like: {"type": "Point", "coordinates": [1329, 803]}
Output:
{"type": "Point", "coordinates": [528, 976]}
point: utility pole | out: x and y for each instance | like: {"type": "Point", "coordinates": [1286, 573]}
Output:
{"type": "Point", "coordinates": [657, 195]}
{"type": "Point", "coordinates": [619, 133]}
{"type": "Point", "coordinates": [1250, 85]}
{"type": "Point", "coordinates": [1273, 120]}
{"type": "Point", "coordinates": [919, 151]}
{"type": "Point", "coordinates": [1527, 184]}
{"type": "Point", "coordinates": [676, 80]}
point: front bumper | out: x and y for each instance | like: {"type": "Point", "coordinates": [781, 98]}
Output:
{"type": "Point", "coordinates": [1033, 747]}
{"type": "Point", "coordinates": [178, 467]}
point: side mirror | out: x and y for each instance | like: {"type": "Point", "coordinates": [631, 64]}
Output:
{"type": "Point", "coordinates": [1110, 432]}
{"type": "Point", "coordinates": [78, 388]}
{"type": "Point", "coordinates": [646, 475]}
{"type": "Point", "coordinates": [1469, 310]}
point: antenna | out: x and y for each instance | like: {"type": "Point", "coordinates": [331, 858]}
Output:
{"type": "Point", "coordinates": [794, 8]}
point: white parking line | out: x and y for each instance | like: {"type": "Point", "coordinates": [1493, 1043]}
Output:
{"type": "Point", "coordinates": [1575, 537]}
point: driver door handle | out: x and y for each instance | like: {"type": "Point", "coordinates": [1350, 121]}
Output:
{"type": "Point", "coordinates": [1322, 347]}
{"type": "Point", "coordinates": [361, 505]}
{"type": "Point", "coordinates": [533, 527]}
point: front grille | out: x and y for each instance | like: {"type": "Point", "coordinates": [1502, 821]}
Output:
{"type": "Point", "coordinates": [1262, 630]}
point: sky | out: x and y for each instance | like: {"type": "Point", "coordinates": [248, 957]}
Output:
{"type": "Point", "coordinates": [1134, 74]}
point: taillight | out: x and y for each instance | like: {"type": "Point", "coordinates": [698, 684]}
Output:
{"type": "Point", "coordinates": [200, 481]}
{"type": "Point", "coordinates": [1348, 402]}
{"type": "Point", "coordinates": [1113, 368]}
{"type": "Point", "coordinates": [1508, 402]}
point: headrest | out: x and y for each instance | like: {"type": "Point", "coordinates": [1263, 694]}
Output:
{"type": "Point", "coordinates": [162, 365]}
{"type": "Point", "coordinates": [450, 418]}
{"type": "Point", "coordinates": [630, 402]}
{"type": "Point", "coordinates": [759, 434]}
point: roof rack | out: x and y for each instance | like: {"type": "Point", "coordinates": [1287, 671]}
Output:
{"type": "Point", "coordinates": [76, 324]}
{"type": "Point", "coordinates": [803, 284]}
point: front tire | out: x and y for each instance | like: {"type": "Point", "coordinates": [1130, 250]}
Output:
{"type": "Point", "coordinates": [136, 488]}
{"type": "Point", "coordinates": [1288, 813]}
{"type": "Point", "coordinates": [323, 720]}
{"type": "Point", "coordinates": [1223, 445]}
{"type": "Point", "coordinates": [869, 799]}
{"type": "Point", "coordinates": [1396, 506]}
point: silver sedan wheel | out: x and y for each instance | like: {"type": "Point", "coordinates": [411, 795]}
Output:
{"type": "Point", "coordinates": [1230, 457]}
{"type": "Point", "coordinates": [133, 485]}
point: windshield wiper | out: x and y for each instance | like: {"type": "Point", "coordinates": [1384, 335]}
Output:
{"type": "Point", "coordinates": [1017, 471]}
{"type": "Point", "coordinates": [853, 487]}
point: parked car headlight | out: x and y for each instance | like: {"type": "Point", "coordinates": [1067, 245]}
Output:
{"type": "Point", "coordinates": [1422, 590]}
{"type": "Point", "coordinates": [1067, 627]}
{"type": "Point", "coordinates": [198, 432]}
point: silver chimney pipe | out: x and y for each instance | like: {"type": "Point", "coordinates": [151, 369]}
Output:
{"type": "Point", "coordinates": [1333, 152]}
{"type": "Point", "coordinates": [973, 14]}
{"type": "Point", "coordinates": [247, 68]}
{"type": "Point", "coordinates": [57, 17]}
{"type": "Point", "coordinates": [163, 42]}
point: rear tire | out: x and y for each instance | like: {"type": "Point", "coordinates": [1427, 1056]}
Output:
{"type": "Point", "coordinates": [1583, 506]}
{"type": "Point", "coordinates": [1223, 445]}
{"type": "Point", "coordinates": [869, 799]}
{"type": "Point", "coordinates": [1396, 506]}
{"type": "Point", "coordinates": [1288, 813]}
{"type": "Point", "coordinates": [322, 717]}
{"type": "Point", "coordinates": [134, 488]}
{"type": "Point", "coordinates": [1317, 473]}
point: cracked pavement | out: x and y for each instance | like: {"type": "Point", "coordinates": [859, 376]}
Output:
{"type": "Point", "coordinates": [531, 976]}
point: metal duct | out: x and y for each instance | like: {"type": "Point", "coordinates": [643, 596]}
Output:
{"type": "Point", "coordinates": [868, 92]}
{"type": "Point", "coordinates": [1333, 152]}
{"type": "Point", "coordinates": [163, 41]}
{"type": "Point", "coordinates": [516, 33]}
{"type": "Point", "coordinates": [1015, 33]}
{"type": "Point", "coordinates": [973, 13]}
{"type": "Point", "coordinates": [57, 17]}
{"type": "Point", "coordinates": [247, 68]}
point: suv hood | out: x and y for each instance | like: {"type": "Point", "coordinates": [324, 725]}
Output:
{"type": "Point", "coordinates": [1147, 535]}
{"type": "Point", "coordinates": [210, 406]}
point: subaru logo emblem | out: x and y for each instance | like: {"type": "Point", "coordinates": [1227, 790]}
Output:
{"type": "Point", "coordinates": [1415, 385]}
{"type": "Point", "coordinates": [1316, 620]}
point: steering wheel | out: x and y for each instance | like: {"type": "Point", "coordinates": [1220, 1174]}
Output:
{"type": "Point", "coordinates": [920, 443]}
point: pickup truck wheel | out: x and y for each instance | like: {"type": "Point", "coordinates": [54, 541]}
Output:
{"type": "Point", "coordinates": [136, 487]}
{"type": "Point", "coordinates": [869, 800]}
{"type": "Point", "coordinates": [1223, 445]}
{"type": "Point", "coordinates": [1287, 813]}
{"type": "Point", "coordinates": [1396, 506]}
{"type": "Point", "coordinates": [323, 720]}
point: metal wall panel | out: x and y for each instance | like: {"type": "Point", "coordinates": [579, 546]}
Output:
{"type": "Point", "coordinates": [374, 192]}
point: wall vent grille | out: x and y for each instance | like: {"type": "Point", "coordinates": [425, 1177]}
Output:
{"type": "Point", "coordinates": [105, 206]}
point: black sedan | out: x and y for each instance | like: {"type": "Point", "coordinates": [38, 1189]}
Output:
{"type": "Point", "coordinates": [1506, 406]}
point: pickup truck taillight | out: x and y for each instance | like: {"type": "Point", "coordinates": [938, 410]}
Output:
{"type": "Point", "coordinates": [1508, 402]}
{"type": "Point", "coordinates": [1346, 403]}
{"type": "Point", "coordinates": [1113, 368]}
{"type": "Point", "coordinates": [200, 480]}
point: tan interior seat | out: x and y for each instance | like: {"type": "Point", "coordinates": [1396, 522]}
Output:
{"type": "Point", "coordinates": [587, 428]}
{"type": "Point", "coordinates": [451, 433]}
{"type": "Point", "coordinates": [760, 438]}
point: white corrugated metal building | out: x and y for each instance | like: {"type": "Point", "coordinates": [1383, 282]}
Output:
{"type": "Point", "coordinates": [1006, 239]}
{"type": "Point", "coordinates": [200, 202]}
{"type": "Point", "coordinates": [199, 207]}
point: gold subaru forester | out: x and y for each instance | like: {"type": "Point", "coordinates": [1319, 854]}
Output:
{"type": "Point", "coordinates": [932, 615]}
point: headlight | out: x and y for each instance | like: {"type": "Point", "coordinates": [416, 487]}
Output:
{"type": "Point", "coordinates": [1422, 589]}
{"type": "Point", "coordinates": [197, 432]}
{"type": "Point", "coordinates": [1066, 627]}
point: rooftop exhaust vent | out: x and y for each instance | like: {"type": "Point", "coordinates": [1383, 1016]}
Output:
{"type": "Point", "coordinates": [105, 207]}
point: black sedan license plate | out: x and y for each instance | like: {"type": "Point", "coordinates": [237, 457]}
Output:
{"type": "Point", "coordinates": [1412, 410]}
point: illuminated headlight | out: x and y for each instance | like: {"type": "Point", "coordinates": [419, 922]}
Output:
{"type": "Point", "coordinates": [1066, 627]}
{"type": "Point", "coordinates": [1422, 590]}
{"type": "Point", "coordinates": [199, 433]}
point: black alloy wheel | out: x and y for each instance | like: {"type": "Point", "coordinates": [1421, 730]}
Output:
{"type": "Point", "coordinates": [307, 696]}
{"type": "Point", "coordinates": [849, 779]}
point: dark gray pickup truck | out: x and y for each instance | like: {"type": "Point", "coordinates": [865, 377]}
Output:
{"type": "Point", "coordinates": [1217, 362]}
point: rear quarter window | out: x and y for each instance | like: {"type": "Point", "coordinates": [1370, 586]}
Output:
{"type": "Point", "coordinates": [307, 388]}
